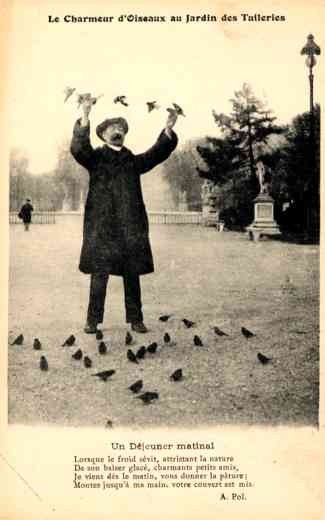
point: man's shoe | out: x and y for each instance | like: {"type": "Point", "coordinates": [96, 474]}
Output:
{"type": "Point", "coordinates": [90, 328]}
{"type": "Point", "coordinates": [139, 326]}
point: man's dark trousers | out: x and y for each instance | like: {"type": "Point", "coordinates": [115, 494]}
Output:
{"type": "Point", "coordinates": [132, 297]}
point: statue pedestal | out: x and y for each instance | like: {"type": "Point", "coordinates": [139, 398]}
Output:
{"type": "Point", "coordinates": [264, 223]}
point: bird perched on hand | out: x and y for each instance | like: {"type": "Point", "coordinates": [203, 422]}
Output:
{"type": "Point", "coordinates": [165, 317]}
{"type": "Point", "coordinates": [166, 338]}
{"type": "Point", "coordinates": [188, 323]}
{"type": "Point", "coordinates": [177, 375]}
{"type": "Point", "coordinates": [131, 356]}
{"type": "Point", "coordinates": [69, 341]}
{"type": "Point", "coordinates": [99, 334]}
{"type": "Point", "coordinates": [219, 332]}
{"type": "Point", "coordinates": [43, 363]}
{"type": "Point", "coordinates": [104, 375]}
{"type": "Point", "coordinates": [77, 355]}
{"type": "Point", "coordinates": [152, 347]}
{"type": "Point", "coordinates": [128, 338]}
{"type": "Point", "coordinates": [152, 105]}
{"type": "Point", "coordinates": [87, 362]}
{"type": "Point", "coordinates": [247, 333]}
{"type": "Point", "coordinates": [19, 340]}
{"type": "Point", "coordinates": [136, 387]}
{"type": "Point", "coordinates": [68, 91]}
{"type": "Point", "coordinates": [176, 110]}
{"type": "Point", "coordinates": [37, 345]}
{"type": "Point", "coordinates": [147, 397]}
{"type": "Point", "coordinates": [87, 97]}
{"type": "Point", "coordinates": [141, 352]}
{"type": "Point", "coordinates": [263, 359]}
{"type": "Point", "coordinates": [102, 348]}
{"type": "Point", "coordinates": [122, 100]}
{"type": "Point", "coordinates": [197, 341]}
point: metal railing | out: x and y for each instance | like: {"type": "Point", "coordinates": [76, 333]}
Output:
{"type": "Point", "coordinates": [38, 217]}
{"type": "Point", "coordinates": [175, 217]}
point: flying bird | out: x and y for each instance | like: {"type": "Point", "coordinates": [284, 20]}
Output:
{"type": "Point", "coordinates": [87, 97]}
{"type": "Point", "coordinates": [166, 338]}
{"type": "Point", "coordinates": [43, 363]}
{"type": "Point", "coordinates": [188, 323]}
{"type": "Point", "coordinates": [77, 355]}
{"type": "Point", "coordinates": [177, 375]}
{"type": "Point", "coordinates": [219, 332]}
{"type": "Point", "coordinates": [19, 340]}
{"type": "Point", "coordinates": [165, 317]}
{"type": "Point", "coordinates": [99, 334]}
{"type": "Point", "coordinates": [68, 91]}
{"type": "Point", "coordinates": [152, 348]}
{"type": "Point", "coordinates": [87, 362]}
{"type": "Point", "coordinates": [263, 359]}
{"type": "Point", "coordinates": [69, 341]}
{"type": "Point", "coordinates": [177, 110]}
{"type": "Point", "coordinates": [136, 387]}
{"type": "Point", "coordinates": [122, 100]}
{"type": "Point", "coordinates": [37, 345]}
{"type": "Point", "coordinates": [141, 353]}
{"type": "Point", "coordinates": [102, 348]}
{"type": "Point", "coordinates": [247, 333]}
{"type": "Point", "coordinates": [128, 338]}
{"type": "Point", "coordinates": [131, 356]}
{"type": "Point", "coordinates": [197, 341]}
{"type": "Point", "coordinates": [152, 105]}
{"type": "Point", "coordinates": [147, 397]}
{"type": "Point", "coordinates": [104, 375]}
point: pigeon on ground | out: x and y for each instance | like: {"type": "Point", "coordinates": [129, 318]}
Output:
{"type": "Point", "coordinates": [165, 317]}
{"type": "Point", "coordinates": [131, 356]}
{"type": "Point", "coordinates": [99, 334]}
{"type": "Point", "coordinates": [188, 323]}
{"type": "Point", "coordinates": [247, 333]}
{"type": "Point", "coordinates": [77, 355]}
{"type": "Point", "coordinates": [19, 340]}
{"type": "Point", "coordinates": [152, 348]}
{"type": "Point", "coordinates": [136, 387]}
{"type": "Point", "coordinates": [141, 353]}
{"type": "Point", "coordinates": [219, 332]}
{"type": "Point", "coordinates": [43, 363]}
{"type": "Point", "coordinates": [122, 100]}
{"type": "Point", "coordinates": [166, 338]}
{"type": "Point", "coordinates": [37, 345]}
{"type": "Point", "coordinates": [109, 423]}
{"type": "Point", "coordinates": [128, 338]}
{"type": "Point", "coordinates": [177, 375]}
{"type": "Point", "coordinates": [263, 359]}
{"type": "Point", "coordinates": [147, 397]}
{"type": "Point", "coordinates": [69, 341]}
{"type": "Point", "coordinates": [197, 341]}
{"type": "Point", "coordinates": [68, 91]}
{"type": "Point", "coordinates": [104, 375]}
{"type": "Point", "coordinates": [152, 105]}
{"type": "Point", "coordinates": [102, 348]}
{"type": "Point", "coordinates": [87, 362]}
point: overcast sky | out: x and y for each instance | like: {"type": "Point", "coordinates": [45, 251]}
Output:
{"type": "Point", "coordinates": [198, 65]}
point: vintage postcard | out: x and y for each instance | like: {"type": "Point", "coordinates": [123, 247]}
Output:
{"type": "Point", "coordinates": [160, 280]}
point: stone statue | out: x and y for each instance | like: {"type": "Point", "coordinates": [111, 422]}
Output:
{"type": "Point", "coordinates": [261, 175]}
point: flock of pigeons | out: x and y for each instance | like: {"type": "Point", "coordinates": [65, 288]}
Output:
{"type": "Point", "coordinates": [134, 357]}
{"type": "Point", "coordinates": [151, 105]}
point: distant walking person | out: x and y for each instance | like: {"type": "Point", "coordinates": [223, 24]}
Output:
{"type": "Point", "coordinates": [26, 214]}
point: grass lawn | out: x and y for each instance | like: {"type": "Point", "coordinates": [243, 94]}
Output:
{"type": "Point", "coordinates": [223, 279]}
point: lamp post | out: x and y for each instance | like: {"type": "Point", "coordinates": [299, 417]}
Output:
{"type": "Point", "coordinates": [310, 50]}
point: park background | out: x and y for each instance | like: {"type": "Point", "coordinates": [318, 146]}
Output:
{"type": "Point", "coordinates": [306, 448]}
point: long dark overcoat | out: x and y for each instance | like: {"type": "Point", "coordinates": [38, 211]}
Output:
{"type": "Point", "coordinates": [26, 213]}
{"type": "Point", "coordinates": [115, 233]}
